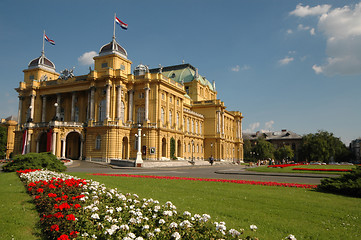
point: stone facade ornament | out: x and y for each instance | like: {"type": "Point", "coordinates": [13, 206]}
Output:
{"type": "Point", "coordinates": [66, 74]}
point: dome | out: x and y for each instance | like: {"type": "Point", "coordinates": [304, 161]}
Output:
{"type": "Point", "coordinates": [113, 47]}
{"type": "Point", "coordinates": [140, 70]}
{"type": "Point", "coordinates": [42, 61]}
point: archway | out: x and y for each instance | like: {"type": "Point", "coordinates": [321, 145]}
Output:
{"type": "Point", "coordinates": [164, 147]}
{"type": "Point", "coordinates": [179, 147]}
{"type": "Point", "coordinates": [42, 142]}
{"type": "Point", "coordinates": [72, 149]}
{"type": "Point", "coordinates": [125, 148]}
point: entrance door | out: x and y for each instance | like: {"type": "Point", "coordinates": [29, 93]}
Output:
{"type": "Point", "coordinates": [72, 150]}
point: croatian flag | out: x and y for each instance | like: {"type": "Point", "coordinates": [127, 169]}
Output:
{"type": "Point", "coordinates": [121, 24]}
{"type": "Point", "coordinates": [49, 40]}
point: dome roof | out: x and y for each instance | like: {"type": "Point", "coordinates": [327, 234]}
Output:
{"type": "Point", "coordinates": [140, 70]}
{"type": "Point", "coordinates": [113, 47]}
{"type": "Point", "coordinates": [41, 61]}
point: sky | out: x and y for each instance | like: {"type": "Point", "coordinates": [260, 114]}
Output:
{"type": "Point", "coordinates": [284, 64]}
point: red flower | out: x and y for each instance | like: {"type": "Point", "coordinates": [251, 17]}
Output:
{"type": "Point", "coordinates": [70, 217]}
{"type": "Point", "coordinates": [51, 195]}
{"type": "Point", "coordinates": [40, 190]}
{"type": "Point", "coordinates": [58, 215]}
{"type": "Point", "coordinates": [29, 189]}
{"type": "Point", "coordinates": [52, 186]}
{"type": "Point", "coordinates": [77, 206]}
{"type": "Point", "coordinates": [31, 184]}
{"type": "Point", "coordinates": [37, 197]}
{"type": "Point", "coordinates": [74, 234]}
{"type": "Point", "coordinates": [54, 228]}
{"type": "Point", "coordinates": [63, 237]}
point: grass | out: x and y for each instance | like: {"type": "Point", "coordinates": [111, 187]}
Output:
{"type": "Point", "coordinates": [18, 218]}
{"type": "Point", "coordinates": [277, 211]}
{"type": "Point", "coordinates": [289, 169]}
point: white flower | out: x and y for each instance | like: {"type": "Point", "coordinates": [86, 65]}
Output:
{"type": "Point", "coordinates": [95, 216]}
{"type": "Point", "coordinates": [185, 224]}
{"type": "Point", "coordinates": [186, 213]}
{"type": "Point", "coordinates": [161, 221]}
{"type": "Point", "coordinates": [119, 209]}
{"type": "Point", "coordinates": [253, 227]}
{"type": "Point", "coordinates": [168, 213]}
{"type": "Point", "coordinates": [124, 227]}
{"type": "Point", "coordinates": [150, 235]}
{"type": "Point", "coordinates": [234, 232]}
{"type": "Point", "coordinates": [176, 235]}
{"type": "Point", "coordinates": [139, 238]}
{"type": "Point", "coordinates": [85, 234]}
{"type": "Point", "coordinates": [145, 227]}
{"type": "Point", "coordinates": [291, 237]}
{"type": "Point", "coordinates": [157, 230]}
{"type": "Point", "coordinates": [131, 235]}
{"type": "Point", "coordinates": [94, 237]}
{"type": "Point", "coordinates": [173, 225]}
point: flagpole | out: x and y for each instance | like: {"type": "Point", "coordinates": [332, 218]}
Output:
{"type": "Point", "coordinates": [114, 26]}
{"type": "Point", "coordinates": [42, 52]}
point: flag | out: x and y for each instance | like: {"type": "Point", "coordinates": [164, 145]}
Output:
{"type": "Point", "coordinates": [49, 40]}
{"type": "Point", "coordinates": [121, 24]}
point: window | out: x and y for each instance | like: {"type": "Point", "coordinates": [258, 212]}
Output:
{"type": "Point", "coordinates": [197, 148]}
{"type": "Point", "coordinates": [141, 95]}
{"type": "Point", "coordinates": [140, 115]}
{"type": "Point", "coordinates": [189, 147]}
{"type": "Point", "coordinates": [185, 148]}
{"type": "Point", "coordinates": [162, 96]}
{"type": "Point", "coordinates": [192, 126]}
{"type": "Point", "coordinates": [200, 128]}
{"type": "Point", "coordinates": [76, 114]}
{"type": "Point", "coordinates": [101, 112]}
{"type": "Point", "coordinates": [196, 127]}
{"type": "Point", "coordinates": [170, 99]}
{"type": "Point", "coordinates": [188, 125]}
{"type": "Point", "coordinates": [170, 117]}
{"type": "Point", "coordinates": [98, 142]}
{"type": "Point", "coordinates": [122, 107]}
{"type": "Point", "coordinates": [162, 115]}
{"type": "Point", "coordinates": [104, 65]}
{"type": "Point", "coordinates": [31, 77]}
{"type": "Point", "coordinates": [177, 119]}
{"type": "Point", "coordinates": [187, 90]}
{"type": "Point", "coordinates": [177, 102]}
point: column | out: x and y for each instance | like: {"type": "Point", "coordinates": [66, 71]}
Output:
{"type": "Point", "coordinates": [146, 103]}
{"type": "Point", "coordinates": [43, 110]}
{"type": "Point", "coordinates": [20, 109]}
{"type": "Point", "coordinates": [53, 143]}
{"type": "Point", "coordinates": [218, 121]}
{"type": "Point", "coordinates": [73, 96]}
{"type": "Point", "coordinates": [58, 101]}
{"type": "Point", "coordinates": [81, 150]}
{"type": "Point", "coordinates": [63, 143]}
{"type": "Point", "coordinates": [119, 101]}
{"type": "Point", "coordinates": [222, 122]}
{"type": "Point", "coordinates": [88, 108]}
{"type": "Point", "coordinates": [130, 108]}
{"type": "Point", "coordinates": [107, 99]}
{"type": "Point", "coordinates": [92, 90]}
{"type": "Point", "coordinates": [28, 142]}
{"type": "Point", "coordinates": [32, 99]}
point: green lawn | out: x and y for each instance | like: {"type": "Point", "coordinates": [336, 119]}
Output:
{"type": "Point", "coordinates": [289, 169]}
{"type": "Point", "coordinates": [18, 216]}
{"type": "Point", "coordinates": [277, 211]}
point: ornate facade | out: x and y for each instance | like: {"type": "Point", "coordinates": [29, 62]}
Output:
{"type": "Point", "coordinates": [97, 116]}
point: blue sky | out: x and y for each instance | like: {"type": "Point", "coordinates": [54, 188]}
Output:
{"type": "Point", "coordinates": [284, 64]}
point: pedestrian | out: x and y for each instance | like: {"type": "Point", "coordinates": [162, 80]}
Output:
{"type": "Point", "coordinates": [211, 160]}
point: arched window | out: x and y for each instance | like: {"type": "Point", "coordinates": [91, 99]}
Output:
{"type": "Point", "coordinates": [76, 114]}
{"type": "Point", "coordinates": [192, 126]}
{"type": "Point", "coordinates": [196, 127]}
{"type": "Point", "coordinates": [200, 128]}
{"type": "Point", "coordinates": [162, 116]}
{"type": "Point", "coordinates": [187, 124]}
{"type": "Point", "coordinates": [98, 142]}
{"type": "Point", "coordinates": [177, 119]}
{"type": "Point", "coordinates": [197, 148]}
{"type": "Point", "coordinates": [189, 147]}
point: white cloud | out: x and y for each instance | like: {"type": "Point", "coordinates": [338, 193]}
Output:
{"type": "Point", "coordinates": [236, 68]}
{"type": "Point", "coordinates": [291, 52]}
{"type": "Point", "coordinates": [303, 11]}
{"type": "Point", "coordinates": [342, 28]}
{"type": "Point", "coordinates": [269, 124]}
{"type": "Point", "coordinates": [87, 58]}
{"type": "Point", "coordinates": [252, 127]}
{"type": "Point", "coordinates": [312, 31]}
{"type": "Point", "coordinates": [285, 60]}
{"type": "Point", "coordinates": [301, 27]}
{"type": "Point", "coordinates": [289, 31]}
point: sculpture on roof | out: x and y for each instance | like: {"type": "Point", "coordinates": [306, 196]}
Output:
{"type": "Point", "coordinates": [66, 74]}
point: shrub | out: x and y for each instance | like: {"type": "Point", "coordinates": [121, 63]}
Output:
{"type": "Point", "coordinates": [348, 184]}
{"type": "Point", "coordinates": [35, 161]}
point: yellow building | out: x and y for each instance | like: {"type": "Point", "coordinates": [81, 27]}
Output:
{"type": "Point", "coordinates": [10, 125]}
{"type": "Point", "coordinates": [97, 116]}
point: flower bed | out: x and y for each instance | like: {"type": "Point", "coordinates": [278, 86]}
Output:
{"type": "Point", "coordinates": [285, 165]}
{"type": "Point", "coordinates": [323, 169]}
{"type": "Point", "coordinates": [212, 180]}
{"type": "Point", "coordinates": [72, 208]}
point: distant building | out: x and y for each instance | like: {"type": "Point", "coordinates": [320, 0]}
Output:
{"type": "Point", "coordinates": [355, 148]}
{"type": "Point", "coordinates": [10, 124]}
{"type": "Point", "coordinates": [96, 116]}
{"type": "Point", "coordinates": [278, 139]}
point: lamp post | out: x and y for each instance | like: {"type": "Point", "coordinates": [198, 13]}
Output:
{"type": "Point", "coordinates": [139, 160]}
{"type": "Point", "coordinates": [211, 149]}
{"type": "Point", "coordinates": [56, 111]}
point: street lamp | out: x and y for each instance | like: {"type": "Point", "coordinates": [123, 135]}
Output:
{"type": "Point", "coordinates": [211, 149]}
{"type": "Point", "coordinates": [139, 160]}
{"type": "Point", "coordinates": [56, 105]}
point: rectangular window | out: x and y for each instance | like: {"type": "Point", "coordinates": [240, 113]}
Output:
{"type": "Point", "coordinates": [104, 65]}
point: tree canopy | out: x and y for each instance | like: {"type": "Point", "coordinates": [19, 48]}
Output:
{"type": "Point", "coordinates": [263, 149]}
{"type": "Point", "coordinates": [323, 146]}
{"type": "Point", "coordinates": [3, 141]}
{"type": "Point", "coordinates": [284, 152]}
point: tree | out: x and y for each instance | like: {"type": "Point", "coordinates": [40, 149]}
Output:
{"type": "Point", "coordinates": [284, 152]}
{"type": "Point", "coordinates": [247, 149]}
{"type": "Point", "coordinates": [323, 146]}
{"type": "Point", "coordinates": [172, 149]}
{"type": "Point", "coordinates": [3, 141]}
{"type": "Point", "coordinates": [263, 149]}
